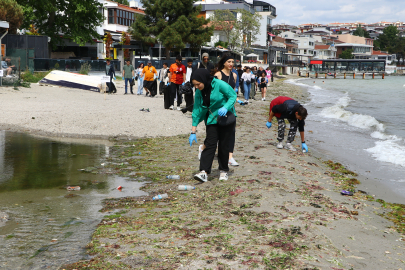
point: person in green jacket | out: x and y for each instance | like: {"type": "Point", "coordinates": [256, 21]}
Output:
{"type": "Point", "coordinates": [213, 98]}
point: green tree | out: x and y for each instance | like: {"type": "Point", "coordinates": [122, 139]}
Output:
{"type": "Point", "coordinates": [387, 41]}
{"type": "Point", "coordinates": [360, 32]}
{"type": "Point", "coordinates": [172, 22]}
{"type": "Point", "coordinates": [12, 13]}
{"type": "Point", "coordinates": [223, 20]}
{"type": "Point", "coordinates": [124, 2]}
{"type": "Point", "coordinates": [246, 29]}
{"type": "Point", "coordinates": [70, 19]}
{"type": "Point", "coordinates": [347, 54]}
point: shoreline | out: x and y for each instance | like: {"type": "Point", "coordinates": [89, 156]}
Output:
{"type": "Point", "coordinates": [278, 209]}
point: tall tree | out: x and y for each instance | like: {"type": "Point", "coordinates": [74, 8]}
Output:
{"type": "Point", "coordinates": [388, 39]}
{"type": "Point", "coordinates": [360, 32]}
{"type": "Point", "coordinates": [223, 20]}
{"type": "Point", "coordinates": [70, 19]}
{"type": "Point", "coordinates": [247, 27]}
{"type": "Point", "coordinates": [172, 22]}
{"type": "Point", "coordinates": [12, 13]}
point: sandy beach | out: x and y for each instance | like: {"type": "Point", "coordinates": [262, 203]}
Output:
{"type": "Point", "coordinates": [62, 112]}
{"type": "Point", "coordinates": [278, 210]}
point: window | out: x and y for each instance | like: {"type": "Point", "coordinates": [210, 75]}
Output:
{"type": "Point", "coordinates": [111, 16]}
{"type": "Point", "coordinates": [117, 16]}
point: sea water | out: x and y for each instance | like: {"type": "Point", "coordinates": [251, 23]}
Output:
{"type": "Point", "coordinates": [360, 122]}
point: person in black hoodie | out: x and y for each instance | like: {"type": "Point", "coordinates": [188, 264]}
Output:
{"type": "Point", "coordinates": [288, 108]}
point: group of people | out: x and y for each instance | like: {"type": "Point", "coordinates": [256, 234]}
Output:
{"type": "Point", "coordinates": [214, 103]}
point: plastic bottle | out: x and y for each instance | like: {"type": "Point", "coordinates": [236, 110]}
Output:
{"type": "Point", "coordinates": [304, 151]}
{"type": "Point", "coordinates": [160, 196]}
{"type": "Point", "coordinates": [185, 187]}
{"type": "Point", "coordinates": [173, 177]}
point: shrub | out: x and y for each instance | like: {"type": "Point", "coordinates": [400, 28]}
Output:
{"type": "Point", "coordinates": [85, 68]}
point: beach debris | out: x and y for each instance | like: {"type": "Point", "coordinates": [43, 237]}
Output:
{"type": "Point", "coordinates": [72, 188]}
{"type": "Point", "coordinates": [252, 157]}
{"type": "Point", "coordinates": [33, 117]}
{"type": "Point", "coordinates": [119, 187]}
{"type": "Point", "coordinates": [315, 205]}
{"type": "Point", "coordinates": [346, 192]}
{"type": "Point", "coordinates": [185, 187]}
{"type": "Point", "coordinates": [160, 196]}
{"type": "Point", "coordinates": [361, 191]}
{"type": "Point", "coordinates": [237, 191]}
{"type": "Point", "coordinates": [173, 177]}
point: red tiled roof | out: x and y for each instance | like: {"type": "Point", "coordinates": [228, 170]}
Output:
{"type": "Point", "coordinates": [321, 47]}
{"type": "Point", "coordinates": [121, 6]}
{"type": "Point", "coordinates": [379, 53]}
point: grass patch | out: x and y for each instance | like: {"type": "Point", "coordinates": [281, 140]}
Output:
{"type": "Point", "coordinates": [33, 77]}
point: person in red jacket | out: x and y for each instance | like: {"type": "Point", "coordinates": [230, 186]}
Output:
{"type": "Point", "coordinates": [287, 108]}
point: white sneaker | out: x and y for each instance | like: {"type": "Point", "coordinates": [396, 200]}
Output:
{"type": "Point", "coordinates": [232, 162]}
{"type": "Point", "coordinates": [289, 146]}
{"type": "Point", "coordinates": [201, 176]}
{"type": "Point", "coordinates": [264, 99]}
{"type": "Point", "coordinates": [9, 76]}
{"type": "Point", "coordinates": [200, 151]}
{"type": "Point", "coordinates": [178, 108]}
{"type": "Point", "coordinates": [223, 176]}
{"type": "Point", "coordinates": [171, 107]}
{"type": "Point", "coordinates": [280, 145]}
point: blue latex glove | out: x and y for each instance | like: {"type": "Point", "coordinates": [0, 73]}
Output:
{"type": "Point", "coordinates": [236, 90]}
{"type": "Point", "coordinates": [192, 138]}
{"type": "Point", "coordinates": [304, 147]}
{"type": "Point", "coordinates": [182, 83]}
{"type": "Point", "coordinates": [167, 84]}
{"type": "Point", "coordinates": [133, 77]}
{"type": "Point", "coordinates": [241, 102]}
{"type": "Point", "coordinates": [222, 111]}
{"type": "Point", "coordinates": [268, 124]}
{"type": "Point", "coordinates": [158, 80]}
{"type": "Point", "coordinates": [115, 78]}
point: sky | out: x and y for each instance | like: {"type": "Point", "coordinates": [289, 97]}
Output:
{"type": "Point", "coordinates": [297, 12]}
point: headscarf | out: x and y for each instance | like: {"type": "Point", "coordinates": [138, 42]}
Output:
{"type": "Point", "coordinates": [203, 76]}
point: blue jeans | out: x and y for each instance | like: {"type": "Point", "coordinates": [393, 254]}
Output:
{"type": "Point", "coordinates": [140, 86]}
{"type": "Point", "coordinates": [246, 89]}
{"type": "Point", "coordinates": [126, 83]}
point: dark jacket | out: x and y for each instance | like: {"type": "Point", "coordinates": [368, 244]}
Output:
{"type": "Point", "coordinates": [285, 108]}
{"type": "Point", "coordinates": [210, 66]}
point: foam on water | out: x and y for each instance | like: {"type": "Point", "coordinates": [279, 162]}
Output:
{"type": "Point", "coordinates": [337, 111]}
{"type": "Point", "coordinates": [388, 151]}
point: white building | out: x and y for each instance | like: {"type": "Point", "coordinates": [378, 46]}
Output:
{"type": "Point", "coordinates": [265, 9]}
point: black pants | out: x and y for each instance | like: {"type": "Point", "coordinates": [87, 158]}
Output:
{"type": "Point", "coordinates": [216, 134]}
{"type": "Point", "coordinates": [291, 133]}
{"type": "Point", "coordinates": [232, 138]}
{"type": "Point", "coordinates": [189, 98]}
{"type": "Point", "coordinates": [174, 88]}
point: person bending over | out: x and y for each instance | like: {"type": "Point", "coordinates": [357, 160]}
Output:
{"type": "Point", "coordinates": [287, 108]}
{"type": "Point", "coordinates": [213, 98]}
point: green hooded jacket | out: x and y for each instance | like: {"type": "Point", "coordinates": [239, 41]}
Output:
{"type": "Point", "coordinates": [222, 95]}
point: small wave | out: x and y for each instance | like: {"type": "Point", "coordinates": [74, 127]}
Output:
{"type": "Point", "coordinates": [338, 111]}
{"type": "Point", "coordinates": [388, 151]}
{"type": "Point", "coordinates": [381, 136]}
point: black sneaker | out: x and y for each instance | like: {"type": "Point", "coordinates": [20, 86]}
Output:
{"type": "Point", "coordinates": [147, 110]}
{"type": "Point", "coordinates": [142, 109]}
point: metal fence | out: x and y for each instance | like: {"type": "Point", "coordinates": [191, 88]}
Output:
{"type": "Point", "coordinates": [72, 64]}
